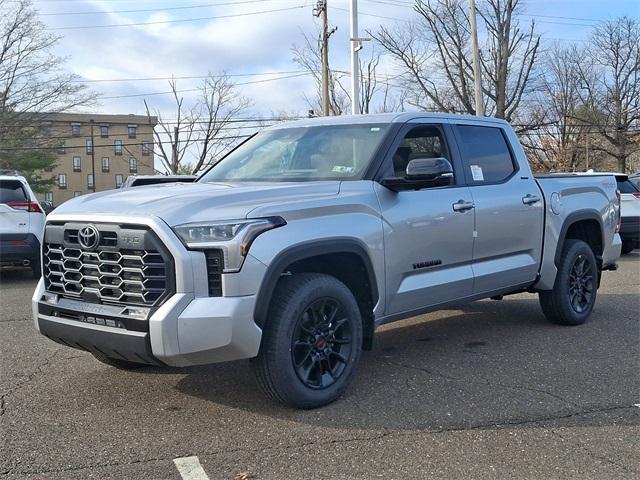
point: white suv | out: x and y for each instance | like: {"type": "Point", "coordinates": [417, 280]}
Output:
{"type": "Point", "coordinates": [21, 224]}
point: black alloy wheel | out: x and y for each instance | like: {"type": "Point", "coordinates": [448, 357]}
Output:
{"type": "Point", "coordinates": [322, 343]}
{"type": "Point", "coordinates": [581, 284]}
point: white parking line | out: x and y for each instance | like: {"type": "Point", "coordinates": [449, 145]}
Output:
{"type": "Point", "coordinates": [190, 468]}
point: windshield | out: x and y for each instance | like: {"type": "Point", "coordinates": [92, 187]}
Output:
{"type": "Point", "coordinates": [327, 152]}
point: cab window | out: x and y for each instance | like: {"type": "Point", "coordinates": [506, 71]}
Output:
{"type": "Point", "coordinates": [425, 141]}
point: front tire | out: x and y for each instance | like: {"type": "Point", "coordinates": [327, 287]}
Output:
{"type": "Point", "coordinates": [312, 342]}
{"type": "Point", "coordinates": [574, 293]}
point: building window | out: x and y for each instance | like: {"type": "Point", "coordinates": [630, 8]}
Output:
{"type": "Point", "coordinates": [75, 129]}
{"type": "Point", "coordinates": [146, 148]}
{"type": "Point", "coordinates": [105, 164]}
{"type": "Point", "coordinates": [76, 164]}
{"type": "Point", "coordinates": [90, 184]}
{"type": "Point", "coordinates": [62, 181]}
{"type": "Point", "coordinates": [48, 197]}
{"type": "Point", "coordinates": [132, 131]}
{"type": "Point", "coordinates": [61, 148]}
{"type": "Point", "coordinates": [46, 131]}
{"type": "Point", "coordinates": [133, 165]}
{"type": "Point", "coordinates": [117, 147]}
{"type": "Point", "coordinates": [119, 180]}
{"type": "Point", "coordinates": [104, 131]}
{"type": "Point", "coordinates": [77, 194]}
{"type": "Point", "coordinates": [89, 146]}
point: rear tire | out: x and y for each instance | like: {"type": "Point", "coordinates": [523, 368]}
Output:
{"type": "Point", "coordinates": [118, 363]}
{"type": "Point", "coordinates": [628, 246]}
{"type": "Point", "coordinates": [312, 342]}
{"type": "Point", "coordinates": [574, 293]}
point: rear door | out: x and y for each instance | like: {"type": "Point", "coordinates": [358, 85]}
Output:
{"type": "Point", "coordinates": [14, 218]}
{"type": "Point", "coordinates": [509, 209]}
{"type": "Point", "coordinates": [428, 233]}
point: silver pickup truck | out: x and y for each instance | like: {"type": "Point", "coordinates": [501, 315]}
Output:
{"type": "Point", "coordinates": [299, 243]}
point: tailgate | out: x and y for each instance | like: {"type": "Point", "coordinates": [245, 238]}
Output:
{"type": "Point", "coordinates": [13, 220]}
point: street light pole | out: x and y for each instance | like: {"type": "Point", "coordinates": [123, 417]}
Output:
{"type": "Point", "coordinates": [93, 158]}
{"type": "Point", "coordinates": [476, 58]}
{"type": "Point", "coordinates": [354, 43]}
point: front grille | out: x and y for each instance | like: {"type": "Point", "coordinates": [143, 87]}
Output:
{"type": "Point", "coordinates": [111, 274]}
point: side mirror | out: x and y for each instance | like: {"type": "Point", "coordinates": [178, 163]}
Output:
{"type": "Point", "coordinates": [422, 173]}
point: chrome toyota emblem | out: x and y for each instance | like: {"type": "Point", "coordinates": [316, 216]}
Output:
{"type": "Point", "coordinates": [88, 237]}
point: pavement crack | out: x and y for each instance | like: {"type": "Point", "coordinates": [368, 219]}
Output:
{"type": "Point", "coordinates": [590, 452]}
{"type": "Point", "coordinates": [485, 382]}
{"type": "Point", "coordinates": [24, 380]}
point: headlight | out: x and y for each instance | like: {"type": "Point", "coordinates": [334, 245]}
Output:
{"type": "Point", "coordinates": [233, 236]}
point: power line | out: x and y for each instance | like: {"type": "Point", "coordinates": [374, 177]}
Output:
{"type": "Point", "coordinates": [149, 94]}
{"type": "Point", "coordinates": [111, 145]}
{"type": "Point", "coordinates": [183, 20]}
{"type": "Point", "coordinates": [141, 10]}
{"type": "Point", "coordinates": [192, 77]}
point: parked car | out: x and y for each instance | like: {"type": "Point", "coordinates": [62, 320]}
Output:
{"type": "Point", "coordinates": [630, 211]}
{"type": "Point", "coordinates": [635, 179]}
{"type": "Point", "coordinates": [141, 180]}
{"type": "Point", "coordinates": [21, 224]}
{"type": "Point", "coordinates": [308, 236]}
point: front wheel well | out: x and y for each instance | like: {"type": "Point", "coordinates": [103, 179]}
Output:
{"type": "Point", "coordinates": [350, 269]}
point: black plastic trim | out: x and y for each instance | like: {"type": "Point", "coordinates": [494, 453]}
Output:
{"type": "Point", "coordinates": [301, 252]}
{"type": "Point", "coordinates": [572, 219]}
{"type": "Point", "coordinates": [120, 346]}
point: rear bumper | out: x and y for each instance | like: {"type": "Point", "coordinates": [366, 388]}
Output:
{"type": "Point", "coordinates": [630, 228]}
{"type": "Point", "coordinates": [19, 249]}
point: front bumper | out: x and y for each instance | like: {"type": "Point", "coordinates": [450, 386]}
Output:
{"type": "Point", "coordinates": [184, 331]}
{"type": "Point", "coordinates": [188, 328]}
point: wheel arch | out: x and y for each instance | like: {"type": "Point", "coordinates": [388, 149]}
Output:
{"type": "Point", "coordinates": [584, 225]}
{"type": "Point", "coordinates": [344, 259]}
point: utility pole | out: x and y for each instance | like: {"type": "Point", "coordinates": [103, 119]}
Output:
{"type": "Point", "coordinates": [356, 46]}
{"type": "Point", "coordinates": [476, 58]}
{"type": "Point", "coordinates": [93, 157]}
{"type": "Point", "coordinates": [321, 11]}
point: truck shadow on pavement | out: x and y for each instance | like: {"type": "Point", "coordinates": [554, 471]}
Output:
{"type": "Point", "coordinates": [486, 364]}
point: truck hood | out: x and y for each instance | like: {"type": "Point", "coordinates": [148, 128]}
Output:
{"type": "Point", "coordinates": [178, 203]}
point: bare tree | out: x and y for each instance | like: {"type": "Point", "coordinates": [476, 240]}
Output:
{"type": "Point", "coordinates": [434, 53]}
{"type": "Point", "coordinates": [308, 56]}
{"type": "Point", "coordinates": [32, 82]}
{"type": "Point", "coordinates": [611, 87]}
{"type": "Point", "coordinates": [200, 131]}
{"type": "Point", "coordinates": [559, 140]}
{"type": "Point", "coordinates": [32, 78]}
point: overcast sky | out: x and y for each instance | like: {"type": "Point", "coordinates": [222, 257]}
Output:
{"type": "Point", "coordinates": [243, 43]}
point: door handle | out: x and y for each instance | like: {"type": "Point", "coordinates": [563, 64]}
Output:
{"type": "Point", "coordinates": [462, 206]}
{"type": "Point", "coordinates": [529, 199]}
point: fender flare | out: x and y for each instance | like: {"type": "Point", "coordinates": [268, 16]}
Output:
{"type": "Point", "coordinates": [300, 252]}
{"type": "Point", "coordinates": [588, 214]}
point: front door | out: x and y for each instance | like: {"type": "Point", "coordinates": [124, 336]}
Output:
{"type": "Point", "coordinates": [428, 240]}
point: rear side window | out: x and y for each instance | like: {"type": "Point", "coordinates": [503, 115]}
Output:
{"type": "Point", "coordinates": [12, 191]}
{"type": "Point", "coordinates": [627, 187]}
{"type": "Point", "coordinates": [485, 154]}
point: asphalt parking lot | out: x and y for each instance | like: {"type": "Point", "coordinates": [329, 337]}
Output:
{"type": "Point", "coordinates": [490, 390]}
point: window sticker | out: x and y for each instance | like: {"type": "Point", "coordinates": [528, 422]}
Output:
{"type": "Point", "coordinates": [342, 169]}
{"type": "Point", "coordinates": [476, 173]}
{"type": "Point", "coordinates": [375, 129]}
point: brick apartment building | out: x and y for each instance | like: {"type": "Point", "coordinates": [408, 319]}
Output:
{"type": "Point", "coordinates": [121, 145]}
